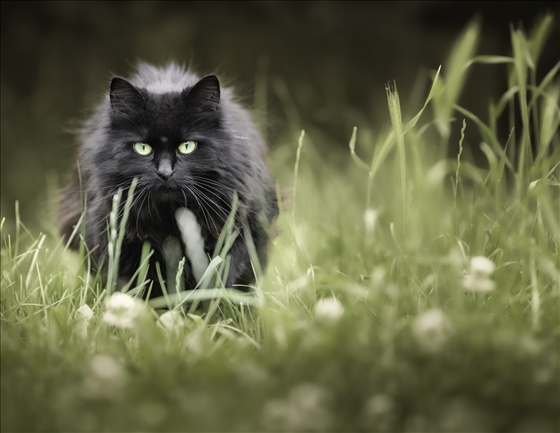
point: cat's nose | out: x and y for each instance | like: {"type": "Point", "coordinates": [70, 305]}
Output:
{"type": "Point", "coordinates": [164, 170]}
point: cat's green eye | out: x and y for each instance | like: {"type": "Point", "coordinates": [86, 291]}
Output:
{"type": "Point", "coordinates": [187, 147]}
{"type": "Point", "coordinates": [143, 149]}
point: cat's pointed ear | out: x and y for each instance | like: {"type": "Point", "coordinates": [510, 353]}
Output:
{"type": "Point", "coordinates": [125, 98]}
{"type": "Point", "coordinates": [205, 94]}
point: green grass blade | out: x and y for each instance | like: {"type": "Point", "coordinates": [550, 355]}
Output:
{"type": "Point", "coordinates": [455, 76]}
{"type": "Point", "coordinates": [412, 122]}
{"type": "Point", "coordinates": [352, 146]}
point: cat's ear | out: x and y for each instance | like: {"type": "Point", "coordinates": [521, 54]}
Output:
{"type": "Point", "coordinates": [204, 95]}
{"type": "Point", "coordinates": [125, 98]}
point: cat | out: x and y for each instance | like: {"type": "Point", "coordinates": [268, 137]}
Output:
{"type": "Point", "coordinates": [192, 147]}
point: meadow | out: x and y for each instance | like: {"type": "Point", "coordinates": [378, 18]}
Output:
{"type": "Point", "coordinates": [407, 289]}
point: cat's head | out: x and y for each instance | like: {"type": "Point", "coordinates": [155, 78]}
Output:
{"type": "Point", "coordinates": [177, 144]}
{"type": "Point", "coordinates": [163, 139]}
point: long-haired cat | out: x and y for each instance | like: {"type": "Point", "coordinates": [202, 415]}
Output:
{"type": "Point", "coordinates": [191, 147]}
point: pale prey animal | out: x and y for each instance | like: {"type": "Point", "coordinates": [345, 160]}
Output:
{"type": "Point", "coordinates": [192, 148]}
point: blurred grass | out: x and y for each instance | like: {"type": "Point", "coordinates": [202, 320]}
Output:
{"type": "Point", "coordinates": [390, 240]}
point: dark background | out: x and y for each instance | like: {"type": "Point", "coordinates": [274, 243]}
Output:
{"type": "Point", "coordinates": [332, 59]}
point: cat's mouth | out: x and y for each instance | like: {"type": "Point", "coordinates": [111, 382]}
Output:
{"type": "Point", "coordinates": [167, 192]}
{"type": "Point", "coordinates": [165, 185]}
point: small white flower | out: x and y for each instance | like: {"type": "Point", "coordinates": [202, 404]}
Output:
{"type": "Point", "coordinates": [482, 266]}
{"type": "Point", "coordinates": [477, 278]}
{"type": "Point", "coordinates": [329, 309]}
{"type": "Point", "coordinates": [478, 284]}
{"type": "Point", "coordinates": [82, 316]}
{"type": "Point", "coordinates": [123, 311]}
{"type": "Point", "coordinates": [84, 313]}
{"type": "Point", "coordinates": [171, 320]}
{"type": "Point", "coordinates": [431, 329]}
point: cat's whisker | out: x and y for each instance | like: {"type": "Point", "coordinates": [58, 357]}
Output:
{"type": "Point", "coordinates": [203, 210]}
{"type": "Point", "coordinates": [223, 214]}
{"type": "Point", "coordinates": [137, 195]}
{"type": "Point", "coordinates": [216, 193]}
{"type": "Point", "coordinates": [219, 196]}
{"type": "Point", "coordinates": [140, 210]}
{"type": "Point", "coordinates": [206, 199]}
{"type": "Point", "coordinates": [211, 181]}
{"type": "Point", "coordinates": [208, 218]}
{"type": "Point", "coordinates": [121, 207]}
{"type": "Point", "coordinates": [93, 201]}
{"type": "Point", "coordinates": [220, 213]}
{"type": "Point", "coordinates": [150, 204]}
{"type": "Point", "coordinates": [101, 188]}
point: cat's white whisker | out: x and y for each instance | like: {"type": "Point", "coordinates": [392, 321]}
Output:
{"type": "Point", "coordinates": [137, 197]}
{"type": "Point", "coordinates": [205, 213]}
{"type": "Point", "coordinates": [218, 211]}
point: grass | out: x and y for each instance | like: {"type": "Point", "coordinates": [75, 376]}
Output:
{"type": "Point", "coordinates": [364, 320]}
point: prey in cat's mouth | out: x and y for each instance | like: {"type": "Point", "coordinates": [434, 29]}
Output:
{"type": "Point", "coordinates": [194, 151]}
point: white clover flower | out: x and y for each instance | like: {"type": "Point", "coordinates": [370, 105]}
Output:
{"type": "Point", "coordinates": [477, 284]}
{"type": "Point", "coordinates": [171, 320]}
{"type": "Point", "coordinates": [431, 329]}
{"type": "Point", "coordinates": [123, 311]}
{"type": "Point", "coordinates": [482, 266]}
{"type": "Point", "coordinates": [329, 309]}
{"type": "Point", "coordinates": [82, 316]}
{"type": "Point", "coordinates": [106, 379]}
{"type": "Point", "coordinates": [84, 313]}
{"type": "Point", "coordinates": [477, 278]}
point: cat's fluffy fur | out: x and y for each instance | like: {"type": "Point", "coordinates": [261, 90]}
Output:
{"type": "Point", "coordinates": [165, 107]}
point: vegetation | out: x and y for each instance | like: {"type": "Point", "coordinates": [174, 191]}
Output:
{"type": "Point", "coordinates": [414, 292]}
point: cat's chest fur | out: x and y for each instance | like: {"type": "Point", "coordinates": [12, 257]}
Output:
{"type": "Point", "coordinates": [193, 243]}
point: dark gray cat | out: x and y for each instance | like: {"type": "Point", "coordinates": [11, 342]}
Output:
{"type": "Point", "coordinates": [191, 147]}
